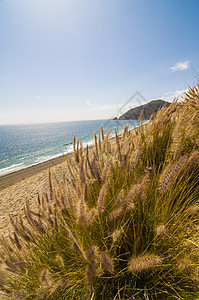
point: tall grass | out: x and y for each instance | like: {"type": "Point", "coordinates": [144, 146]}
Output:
{"type": "Point", "coordinates": [122, 225]}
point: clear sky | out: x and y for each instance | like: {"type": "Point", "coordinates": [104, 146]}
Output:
{"type": "Point", "coordinates": [64, 60]}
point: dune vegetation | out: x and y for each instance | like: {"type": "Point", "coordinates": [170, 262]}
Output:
{"type": "Point", "coordinates": [123, 222]}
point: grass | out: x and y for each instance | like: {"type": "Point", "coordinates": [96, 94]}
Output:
{"type": "Point", "coordinates": [123, 222]}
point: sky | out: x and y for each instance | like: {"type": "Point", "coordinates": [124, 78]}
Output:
{"type": "Point", "coordinates": [65, 60]}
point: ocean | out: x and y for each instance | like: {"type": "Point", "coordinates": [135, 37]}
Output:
{"type": "Point", "coordinates": [25, 145]}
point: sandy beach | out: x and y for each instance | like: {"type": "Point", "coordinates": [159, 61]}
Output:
{"type": "Point", "coordinates": [24, 184]}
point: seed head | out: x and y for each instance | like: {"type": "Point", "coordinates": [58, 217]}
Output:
{"type": "Point", "coordinates": [169, 174]}
{"type": "Point", "coordinates": [44, 276]}
{"type": "Point", "coordinates": [182, 265]}
{"type": "Point", "coordinates": [194, 210]}
{"type": "Point", "coordinates": [19, 295]}
{"type": "Point", "coordinates": [119, 198]}
{"type": "Point", "coordinates": [107, 168]}
{"type": "Point", "coordinates": [144, 263]}
{"type": "Point", "coordinates": [17, 241]}
{"type": "Point", "coordinates": [161, 230]}
{"type": "Point", "coordinates": [60, 261]}
{"type": "Point", "coordinates": [101, 198]}
{"type": "Point", "coordinates": [107, 261]}
{"type": "Point", "coordinates": [89, 276]}
{"type": "Point", "coordinates": [116, 235]}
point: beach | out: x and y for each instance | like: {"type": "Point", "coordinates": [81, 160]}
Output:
{"type": "Point", "coordinates": [24, 184]}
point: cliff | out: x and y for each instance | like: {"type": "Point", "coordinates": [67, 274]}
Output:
{"type": "Point", "coordinates": [148, 110]}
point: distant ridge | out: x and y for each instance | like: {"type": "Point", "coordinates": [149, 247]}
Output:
{"type": "Point", "coordinates": [148, 110]}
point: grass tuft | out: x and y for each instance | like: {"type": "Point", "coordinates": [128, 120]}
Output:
{"type": "Point", "coordinates": [123, 222]}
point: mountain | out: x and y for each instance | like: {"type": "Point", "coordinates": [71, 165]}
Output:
{"type": "Point", "coordinates": [148, 110]}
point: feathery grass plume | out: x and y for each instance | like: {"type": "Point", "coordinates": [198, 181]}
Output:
{"type": "Point", "coordinates": [17, 241]}
{"type": "Point", "coordinates": [74, 144]}
{"type": "Point", "coordinates": [85, 193]}
{"type": "Point", "coordinates": [42, 293]}
{"type": "Point", "coordinates": [78, 188]}
{"type": "Point", "coordinates": [125, 132]}
{"type": "Point", "coordinates": [118, 145]}
{"type": "Point", "coordinates": [44, 276]}
{"type": "Point", "coordinates": [82, 172]}
{"type": "Point", "coordinates": [91, 215]}
{"type": "Point", "coordinates": [125, 158]}
{"type": "Point", "coordinates": [87, 174]}
{"type": "Point", "coordinates": [91, 253]}
{"type": "Point", "coordinates": [58, 201]}
{"type": "Point", "coordinates": [102, 132]}
{"type": "Point", "coordinates": [55, 220]}
{"type": "Point", "coordinates": [96, 171]}
{"type": "Point", "coordinates": [50, 185]}
{"type": "Point", "coordinates": [68, 199]}
{"type": "Point", "coordinates": [117, 212]}
{"type": "Point", "coordinates": [89, 164]}
{"type": "Point", "coordinates": [107, 168]}
{"type": "Point", "coordinates": [11, 266]}
{"type": "Point", "coordinates": [76, 153]}
{"type": "Point", "coordinates": [19, 295]}
{"type": "Point", "coordinates": [74, 239]}
{"type": "Point", "coordinates": [192, 161]}
{"type": "Point", "coordinates": [128, 202]}
{"type": "Point", "coordinates": [143, 185]}
{"type": "Point", "coordinates": [101, 198]}
{"type": "Point", "coordinates": [99, 143]}
{"type": "Point", "coordinates": [60, 261]}
{"type": "Point", "coordinates": [38, 225]}
{"type": "Point", "coordinates": [57, 286]}
{"type": "Point", "coordinates": [169, 174]}
{"type": "Point", "coordinates": [194, 210]}
{"type": "Point", "coordinates": [24, 231]}
{"type": "Point", "coordinates": [96, 144]}
{"type": "Point", "coordinates": [135, 157]}
{"type": "Point", "coordinates": [81, 210]}
{"type": "Point", "coordinates": [69, 166]}
{"type": "Point", "coordinates": [89, 274]}
{"type": "Point", "coordinates": [120, 197]}
{"type": "Point", "coordinates": [106, 142]}
{"type": "Point", "coordinates": [182, 265]}
{"type": "Point", "coordinates": [107, 261]}
{"type": "Point", "coordinates": [144, 263]}
{"type": "Point", "coordinates": [116, 235]}
{"type": "Point", "coordinates": [81, 150]}
{"type": "Point", "coordinates": [161, 230]}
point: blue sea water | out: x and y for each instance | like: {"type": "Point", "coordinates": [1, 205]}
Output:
{"type": "Point", "coordinates": [25, 145]}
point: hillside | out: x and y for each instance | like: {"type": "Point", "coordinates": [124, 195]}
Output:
{"type": "Point", "coordinates": [148, 110]}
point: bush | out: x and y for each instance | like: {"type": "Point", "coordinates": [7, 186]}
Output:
{"type": "Point", "coordinates": [123, 225]}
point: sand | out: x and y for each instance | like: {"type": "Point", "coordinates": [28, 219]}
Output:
{"type": "Point", "coordinates": [16, 187]}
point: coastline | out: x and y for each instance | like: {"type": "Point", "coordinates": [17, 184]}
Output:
{"type": "Point", "coordinates": [16, 176]}
{"type": "Point", "coordinates": [25, 184]}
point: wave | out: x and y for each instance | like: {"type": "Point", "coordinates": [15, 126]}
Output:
{"type": "Point", "coordinates": [10, 169]}
{"type": "Point", "coordinates": [30, 158]}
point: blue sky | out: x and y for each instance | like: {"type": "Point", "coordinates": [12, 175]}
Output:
{"type": "Point", "coordinates": [64, 60]}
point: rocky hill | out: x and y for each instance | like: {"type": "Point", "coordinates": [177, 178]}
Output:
{"type": "Point", "coordinates": [148, 110]}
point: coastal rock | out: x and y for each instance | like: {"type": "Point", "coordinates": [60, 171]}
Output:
{"type": "Point", "coordinates": [148, 110]}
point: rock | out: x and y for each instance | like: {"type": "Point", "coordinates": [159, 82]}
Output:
{"type": "Point", "coordinates": [148, 110]}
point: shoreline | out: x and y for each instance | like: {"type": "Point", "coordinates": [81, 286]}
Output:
{"type": "Point", "coordinates": [16, 176]}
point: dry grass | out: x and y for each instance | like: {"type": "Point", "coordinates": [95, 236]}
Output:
{"type": "Point", "coordinates": [124, 225]}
